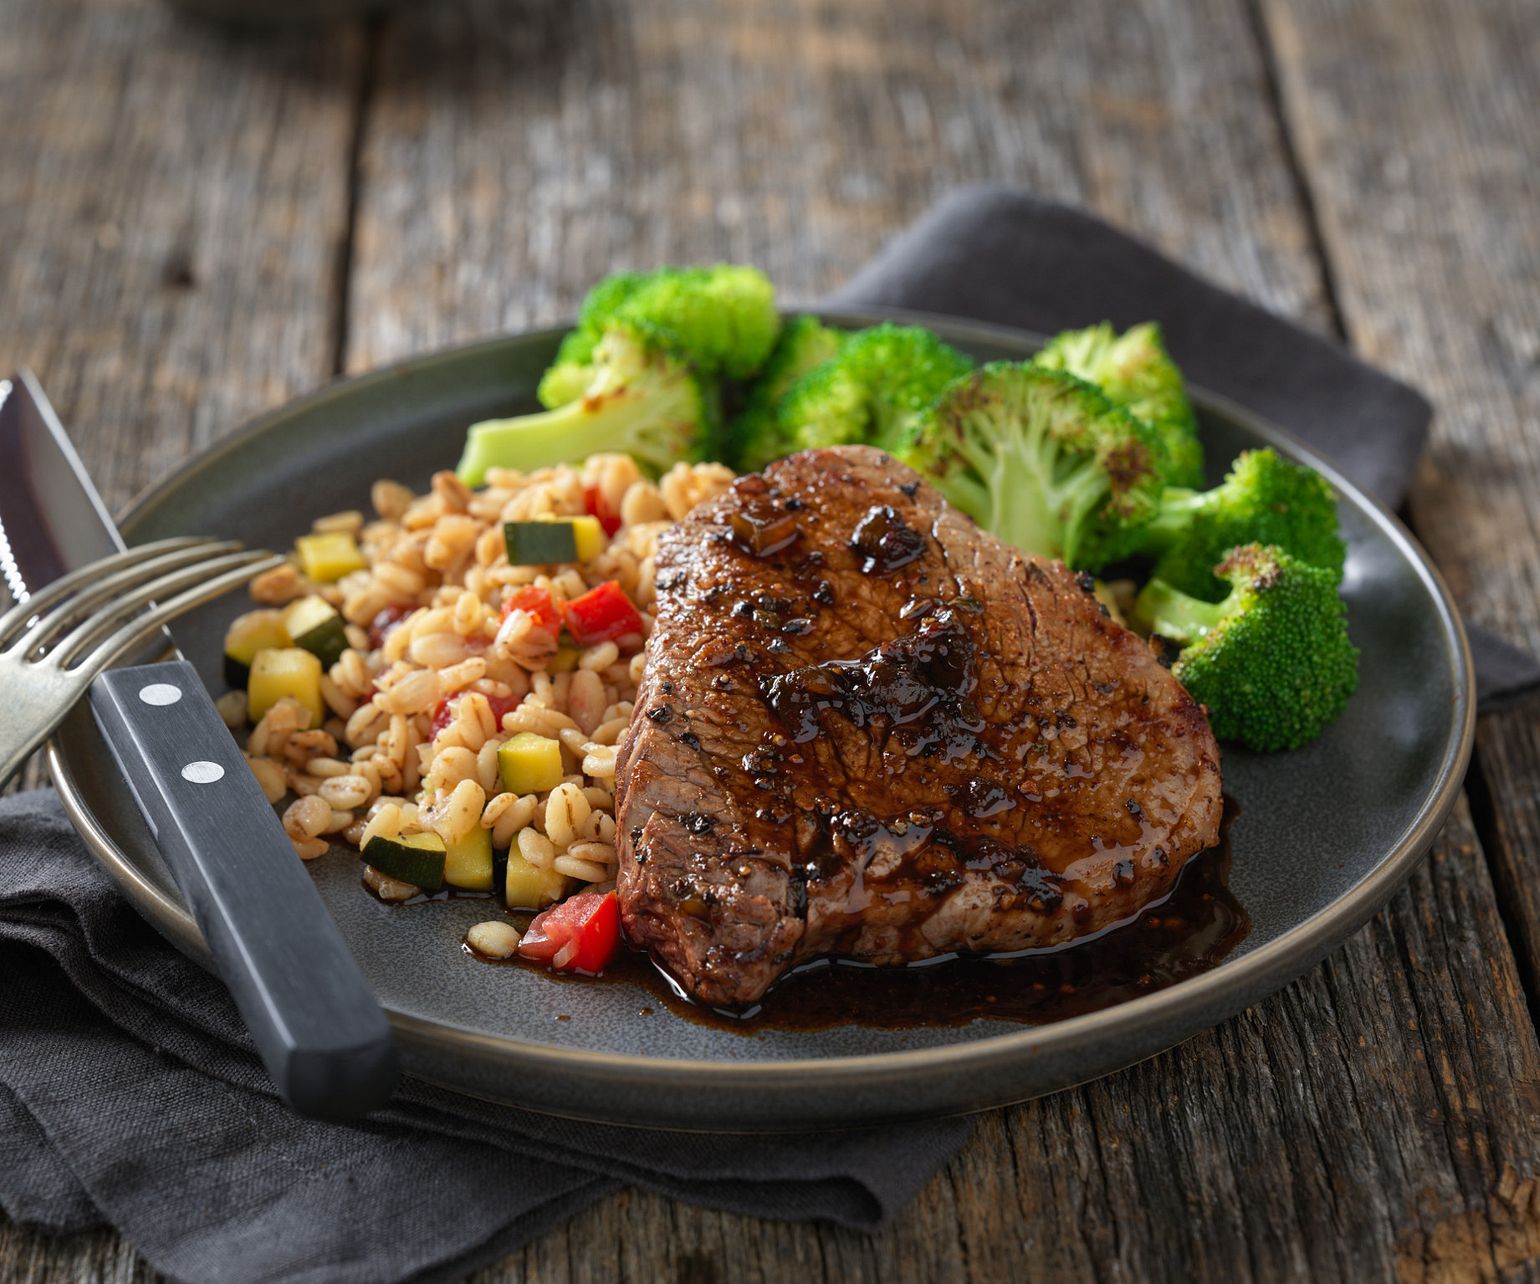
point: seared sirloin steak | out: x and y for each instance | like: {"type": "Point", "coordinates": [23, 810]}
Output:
{"type": "Point", "coordinates": [870, 729]}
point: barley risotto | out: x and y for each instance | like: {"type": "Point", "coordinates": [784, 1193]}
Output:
{"type": "Point", "coordinates": [449, 707]}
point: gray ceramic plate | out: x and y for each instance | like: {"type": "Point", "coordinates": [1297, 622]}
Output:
{"type": "Point", "coordinates": [1323, 838]}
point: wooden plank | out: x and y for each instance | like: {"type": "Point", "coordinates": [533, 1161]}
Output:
{"type": "Point", "coordinates": [507, 163]}
{"type": "Point", "coordinates": [174, 204]}
{"type": "Point", "coordinates": [90, 1257]}
{"type": "Point", "coordinates": [1353, 1127]}
{"type": "Point", "coordinates": [1417, 128]}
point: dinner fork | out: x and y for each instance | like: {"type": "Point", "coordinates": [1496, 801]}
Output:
{"type": "Point", "coordinates": [55, 641]}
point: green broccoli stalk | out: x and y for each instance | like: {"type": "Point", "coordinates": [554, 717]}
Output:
{"type": "Point", "coordinates": [642, 401]}
{"type": "Point", "coordinates": [872, 391]}
{"type": "Point", "coordinates": [1043, 460]}
{"type": "Point", "coordinates": [1272, 662]}
{"type": "Point", "coordinates": [649, 383]}
{"type": "Point", "coordinates": [1135, 371]}
{"type": "Point", "coordinates": [805, 344]}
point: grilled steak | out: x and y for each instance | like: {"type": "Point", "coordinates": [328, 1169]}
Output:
{"type": "Point", "coordinates": [870, 729]}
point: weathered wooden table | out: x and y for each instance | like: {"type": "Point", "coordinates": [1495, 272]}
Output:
{"type": "Point", "coordinates": [195, 226]}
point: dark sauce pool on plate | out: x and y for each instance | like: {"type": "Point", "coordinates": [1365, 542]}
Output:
{"type": "Point", "coordinates": [1193, 930]}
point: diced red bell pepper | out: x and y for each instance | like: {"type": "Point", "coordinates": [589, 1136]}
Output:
{"type": "Point", "coordinates": [538, 604]}
{"type": "Point", "coordinates": [597, 506]}
{"type": "Point", "coordinates": [601, 614]}
{"type": "Point", "coordinates": [582, 934]}
{"type": "Point", "coordinates": [444, 710]}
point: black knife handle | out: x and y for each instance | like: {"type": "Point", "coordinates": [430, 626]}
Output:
{"type": "Point", "coordinates": [311, 1014]}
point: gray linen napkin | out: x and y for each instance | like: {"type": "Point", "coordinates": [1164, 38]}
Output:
{"type": "Point", "coordinates": [129, 1095]}
{"type": "Point", "coordinates": [998, 254]}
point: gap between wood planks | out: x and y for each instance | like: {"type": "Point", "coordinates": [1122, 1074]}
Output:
{"type": "Point", "coordinates": [363, 100]}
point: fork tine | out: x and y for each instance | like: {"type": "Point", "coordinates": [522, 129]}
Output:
{"type": "Point", "coordinates": [72, 608]}
{"type": "Point", "coordinates": [139, 630]}
{"type": "Point", "coordinates": [89, 632]}
{"type": "Point", "coordinates": [14, 620]}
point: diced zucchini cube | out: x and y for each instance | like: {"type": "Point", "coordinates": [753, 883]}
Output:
{"type": "Point", "coordinates": [530, 764]}
{"type": "Point", "coordinates": [526, 886]}
{"type": "Point", "coordinates": [316, 625]}
{"type": "Point", "coordinates": [327, 557]}
{"type": "Point", "coordinates": [468, 861]}
{"type": "Point", "coordinates": [564, 661]}
{"type": "Point", "coordinates": [285, 671]}
{"type": "Point", "coordinates": [539, 543]}
{"type": "Point", "coordinates": [413, 858]}
{"type": "Point", "coordinates": [255, 631]}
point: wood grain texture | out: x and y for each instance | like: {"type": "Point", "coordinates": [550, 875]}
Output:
{"type": "Point", "coordinates": [1426, 177]}
{"type": "Point", "coordinates": [506, 163]}
{"type": "Point", "coordinates": [170, 221]}
{"type": "Point", "coordinates": [1380, 1118]}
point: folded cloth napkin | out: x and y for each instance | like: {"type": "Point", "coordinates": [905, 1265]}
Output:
{"type": "Point", "coordinates": [129, 1093]}
{"type": "Point", "coordinates": [998, 254]}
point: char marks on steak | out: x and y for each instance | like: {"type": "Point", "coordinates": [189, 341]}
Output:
{"type": "Point", "coordinates": [870, 729]}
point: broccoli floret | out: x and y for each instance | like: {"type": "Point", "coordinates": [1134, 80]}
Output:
{"type": "Point", "coordinates": [805, 344]}
{"type": "Point", "coordinates": [872, 391]}
{"type": "Point", "coordinates": [643, 400]}
{"type": "Point", "coordinates": [1135, 370]}
{"type": "Point", "coordinates": [1272, 661]}
{"type": "Point", "coordinates": [1043, 460]}
{"type": "Point", "coordinates": [572, 371]}
{"type": "Point", "coordinates": [651, 385]}
{"type": "Point", "coordinates": [722, 318]}
{"type": "Point", "coordinates": [1265, 499]}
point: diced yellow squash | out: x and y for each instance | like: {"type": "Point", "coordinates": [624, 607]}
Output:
{"type": "Point", "coordinates": [529, 887]}
{"type": "Point", "coordinates": [255, 631]}
{"type": "Point", "coordinates": [530, 764]}
{"type": "Point", "coordinates": [328, 557]}
{"type": "Point", "coordinates": [285, 671]}
{"type": "Point", "coordinates": [590, 537]}
{"type": "Point", "coordinates": [468, 861]}
{"type": "Point", "coordinates": [564, 661]}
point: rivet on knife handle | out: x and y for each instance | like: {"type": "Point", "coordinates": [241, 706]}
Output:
{"type": "Point", "coordinates": [314, 1019]}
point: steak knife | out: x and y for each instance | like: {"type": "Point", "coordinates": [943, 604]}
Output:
{"type": "Point", "coordinates": [314, 1020]}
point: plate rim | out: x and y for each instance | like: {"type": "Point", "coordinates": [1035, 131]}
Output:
{"type": "Point", "coordinates": [1259, 972]}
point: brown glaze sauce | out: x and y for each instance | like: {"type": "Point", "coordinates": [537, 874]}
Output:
{"type": "Point", "coordinates": [1192, 931]}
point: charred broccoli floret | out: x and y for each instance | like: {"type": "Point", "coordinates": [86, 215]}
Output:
{"type": "Point", "coordinates": [1136, 372]}
{"type": "Point", "coordinates": [651, 379]}
{"type": "Point", "coordinates": [872, 391]}
{"type": "Point", "coordinates": [1043, 460]}
{"type": "Point", "coordinates": [1265, 499]}
{"type": "Point", "coordinates": [1272, 661]}
{"type": "Point", "coordinates": [805, 344]}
